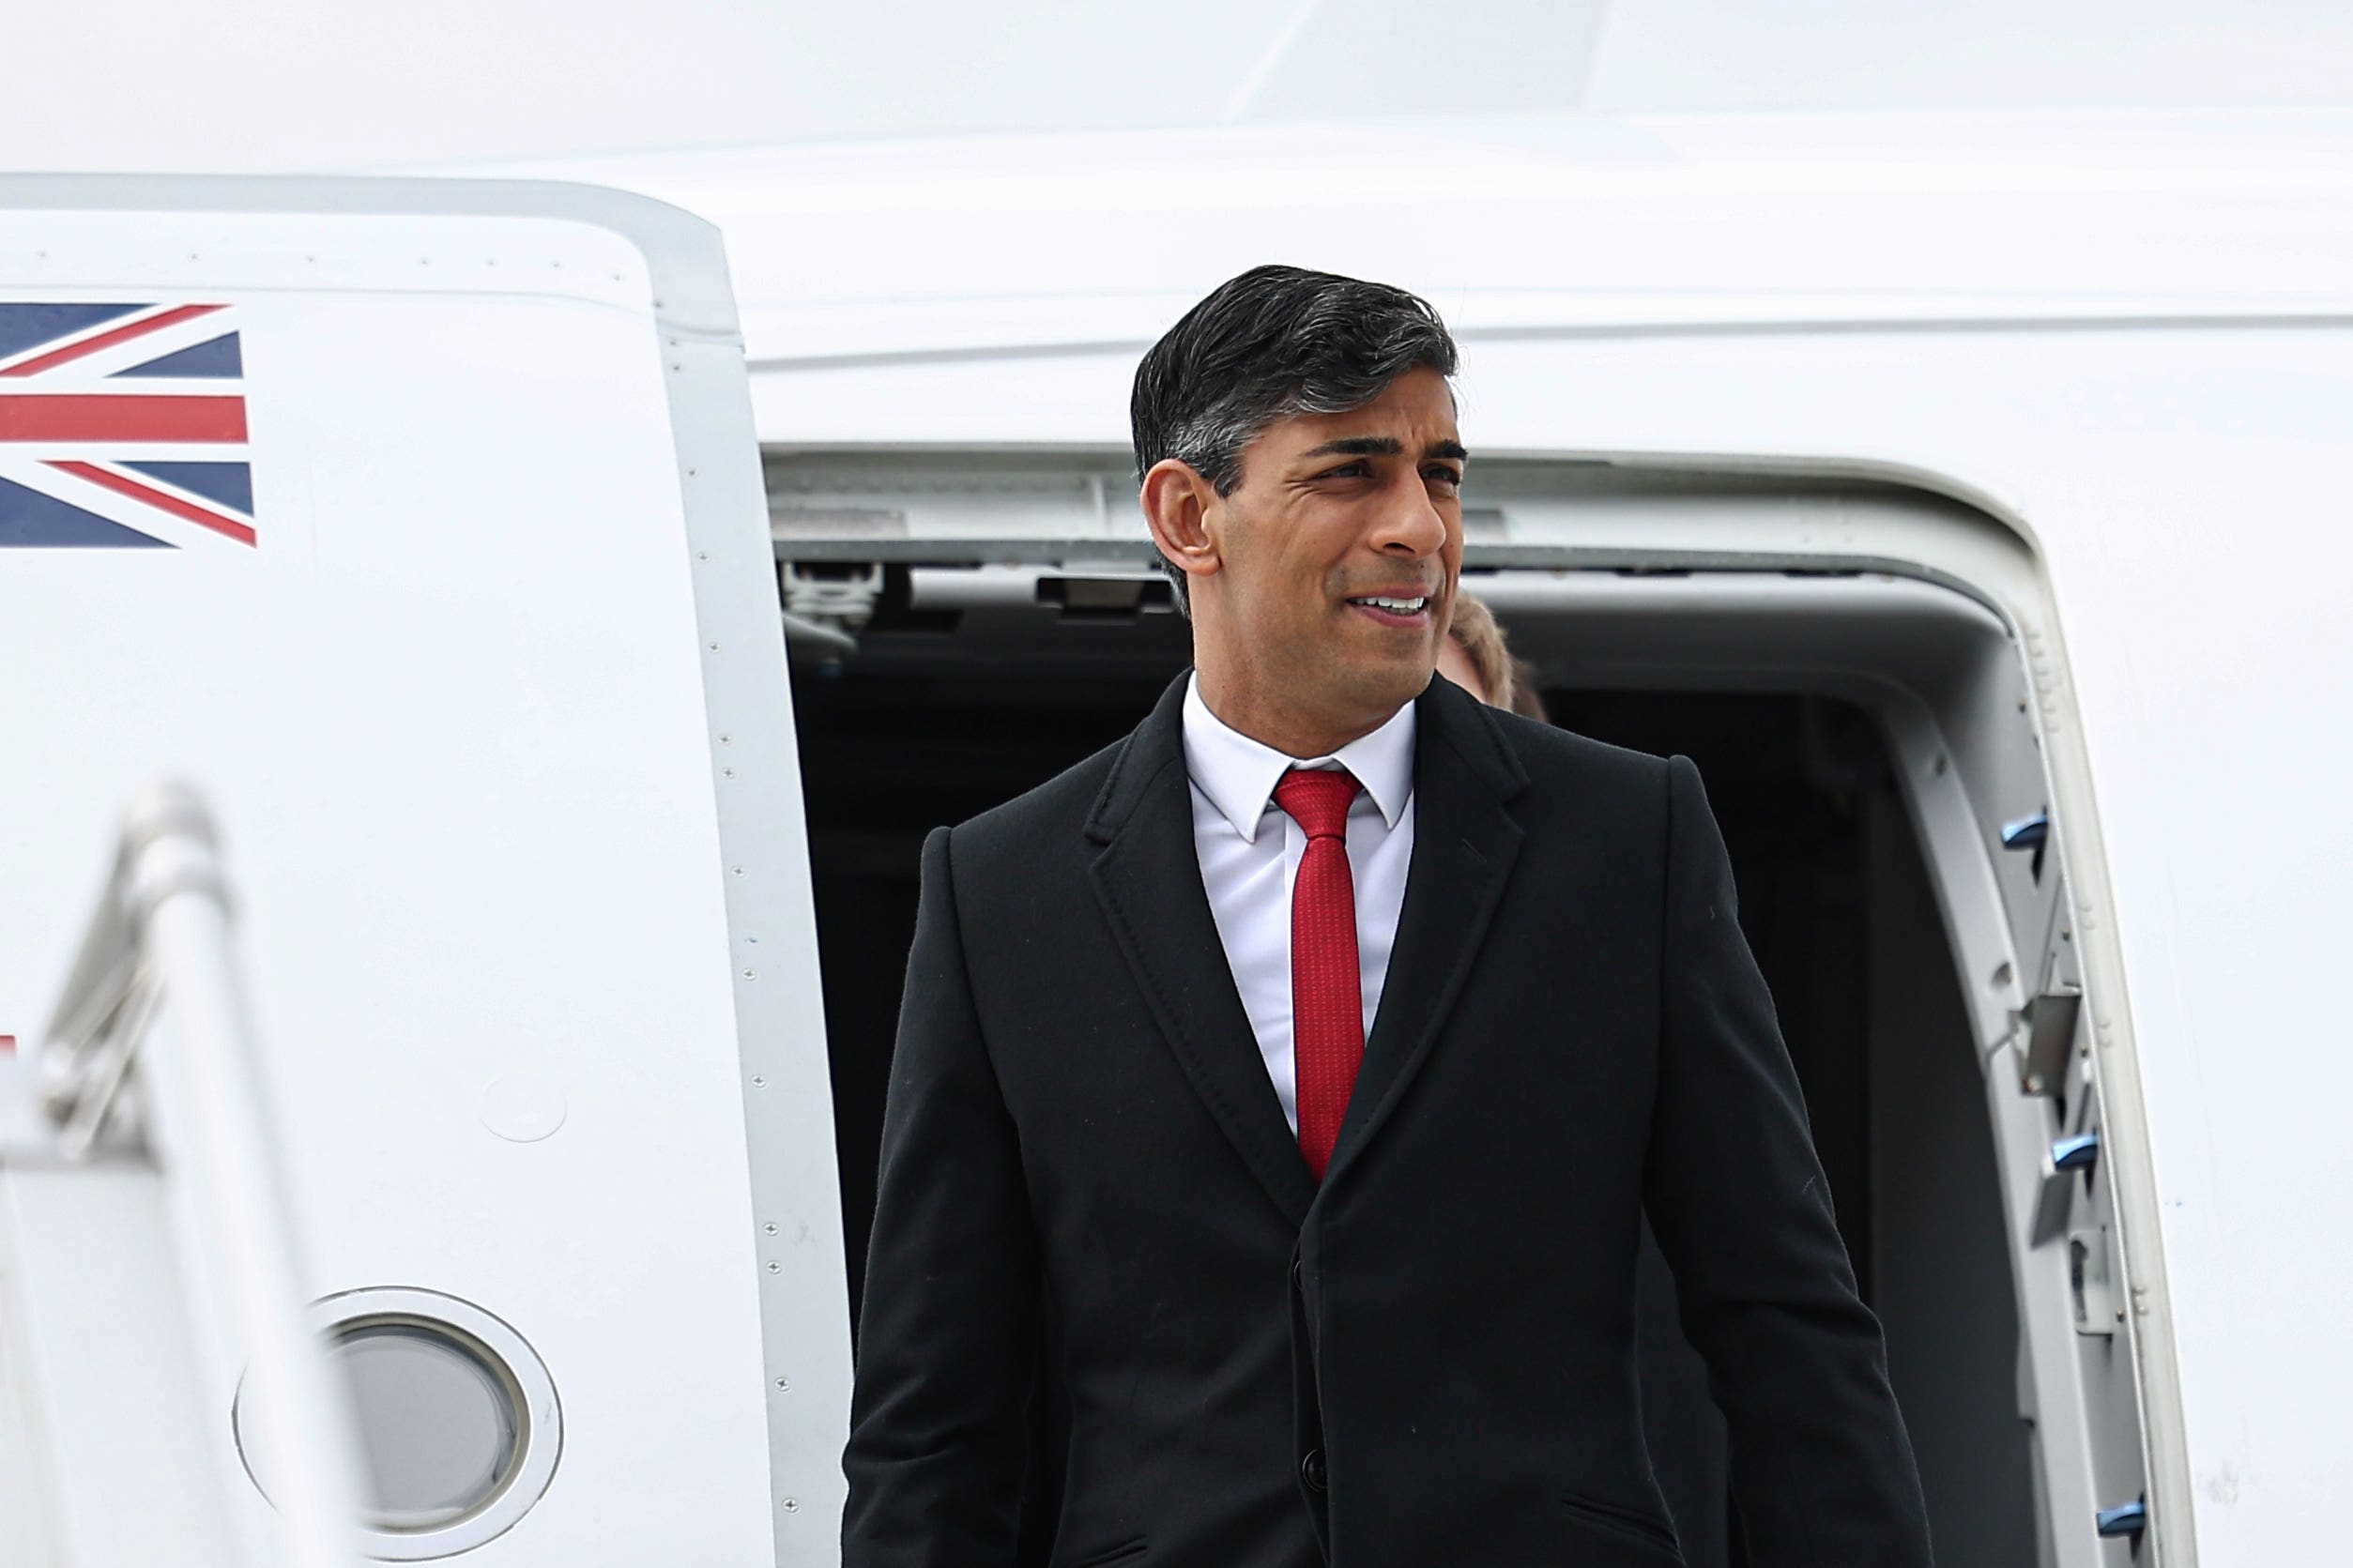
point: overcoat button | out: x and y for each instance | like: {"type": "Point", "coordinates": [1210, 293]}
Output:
{"type": "Point", "coordinates": [1312, 1469]}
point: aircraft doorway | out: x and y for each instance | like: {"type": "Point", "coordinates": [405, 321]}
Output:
{"type": "Point", "coordinates": [1799, 697]}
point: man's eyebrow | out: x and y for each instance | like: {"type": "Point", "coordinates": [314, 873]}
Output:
{"type": "Point", "coordinates": [1357, 446]}
{"type": "Point", "coordinates": [1381, 446]}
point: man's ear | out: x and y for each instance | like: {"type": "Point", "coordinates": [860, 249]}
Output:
{"type": "Point", "coordinates": [1177, 503]}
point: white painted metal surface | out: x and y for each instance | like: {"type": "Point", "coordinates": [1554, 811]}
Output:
{"type": "Point", "coordinates": [494, 712]}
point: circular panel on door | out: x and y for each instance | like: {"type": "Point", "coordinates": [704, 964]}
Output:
{"type": "Point", "coordinates": [459, 1424]}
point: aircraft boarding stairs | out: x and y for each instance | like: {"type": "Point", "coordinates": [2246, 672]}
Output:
{"type": "Point", "coordinates": [137, 1159]}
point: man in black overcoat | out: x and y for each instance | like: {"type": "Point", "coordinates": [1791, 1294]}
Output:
{"type": "Point", "coordinates": [1279, 1092]}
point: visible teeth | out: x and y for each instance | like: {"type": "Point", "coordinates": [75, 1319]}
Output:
{"type": "Point", "coordinates": [1395, 606]}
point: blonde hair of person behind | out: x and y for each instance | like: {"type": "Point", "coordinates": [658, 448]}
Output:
{"type": "Point", "coordinates": [1476, 632]}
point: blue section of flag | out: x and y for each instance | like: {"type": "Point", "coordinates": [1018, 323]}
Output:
{"type": "Point", "coordinates": [228, 484]}
{"type": "Point", "coordinates": [29, 518]}
{"type": "Point", "coordinates": [218, 359]}
{"type": "Point", "coordinates": [24, 326]}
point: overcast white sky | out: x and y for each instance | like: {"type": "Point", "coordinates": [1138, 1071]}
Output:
{"type": "Point", "coordinates": [321, 85]}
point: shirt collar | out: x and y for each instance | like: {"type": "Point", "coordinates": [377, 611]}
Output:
{"type": "Point", "coordinates": [1239, 774]}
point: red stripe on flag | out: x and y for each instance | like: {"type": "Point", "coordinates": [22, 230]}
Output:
{"type": "Point", "coordinates": [119, 417]}
{"type": "Point", "coordinates": [172, 504]}
{"type": "Point", "coordinates": [108, 340]}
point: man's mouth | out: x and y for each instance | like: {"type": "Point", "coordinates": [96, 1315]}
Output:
{"type": "Point", "coordinates": [1394, 609]}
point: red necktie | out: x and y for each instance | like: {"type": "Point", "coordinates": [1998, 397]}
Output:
{"type": "Point", "coordinates": [1327, 998]}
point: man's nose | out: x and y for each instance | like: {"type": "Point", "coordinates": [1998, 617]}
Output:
{"type": "Point", "coordinates": [1410, 523]}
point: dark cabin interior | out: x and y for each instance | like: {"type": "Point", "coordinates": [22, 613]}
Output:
{"type": "Point", "coordinates": [916, 730]}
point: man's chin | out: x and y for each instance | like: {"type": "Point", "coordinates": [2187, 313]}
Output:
{"type": "Point", "coordinates": [1387, 687]}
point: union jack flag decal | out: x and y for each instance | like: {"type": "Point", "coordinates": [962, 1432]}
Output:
{"type": "Point", "coordinates": [122, 426]}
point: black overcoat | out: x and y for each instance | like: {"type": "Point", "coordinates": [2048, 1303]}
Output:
{"type": "Point", "coordinates": [1104, 1291]}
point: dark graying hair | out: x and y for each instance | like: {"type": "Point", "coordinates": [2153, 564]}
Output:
{"type": "Point", "coordinates": [1274, 343]}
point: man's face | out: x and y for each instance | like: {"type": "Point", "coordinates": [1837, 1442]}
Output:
{"type": "Point", "coordinates": [1334, 512]}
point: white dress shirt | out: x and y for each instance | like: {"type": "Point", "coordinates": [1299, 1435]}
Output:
{"type": "Point", "coordinates": [1249, 851]}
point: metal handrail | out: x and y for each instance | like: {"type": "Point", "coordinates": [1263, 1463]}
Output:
{"type": "Point", "coordinates": [162, 939]}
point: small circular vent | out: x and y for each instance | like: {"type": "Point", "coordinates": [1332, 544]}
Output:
{"type": "Point", "coordinates": [458, 1422]}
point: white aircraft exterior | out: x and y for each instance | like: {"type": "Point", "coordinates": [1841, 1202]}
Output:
{"type": "Point", "coordinates": [2021, 435]}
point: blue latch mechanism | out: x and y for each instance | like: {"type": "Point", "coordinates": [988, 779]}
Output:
{"type": "Point", "coordinates": [2029, 832]}
{"type": "Point", "coordinates": [2126, 1518]}
{"type": "Point", "coordinates": [2076, 1153]}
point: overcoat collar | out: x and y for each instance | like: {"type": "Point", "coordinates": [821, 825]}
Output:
{"type": "Point", "coordinates": [1148, 879]}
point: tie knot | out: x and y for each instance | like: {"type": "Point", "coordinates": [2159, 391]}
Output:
{"type": "Point", "coordinates": [1318, 800]}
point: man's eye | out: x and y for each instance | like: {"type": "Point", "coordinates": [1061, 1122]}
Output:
{"type": "Point", "coordinates": [1345, 470]}
{"type": "Point", "coordinates": [1448, 476]}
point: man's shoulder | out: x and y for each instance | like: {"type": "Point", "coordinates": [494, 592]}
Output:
{"type": "Point", "coordinates": [1555, 760]}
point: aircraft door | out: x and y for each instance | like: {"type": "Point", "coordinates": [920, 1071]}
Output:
{"type": "Point", "coordinates": [417, 529]}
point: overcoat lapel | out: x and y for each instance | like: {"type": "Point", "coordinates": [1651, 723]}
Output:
{"type": "Point", "coordinates": [1148, 879]}
{"type": "Point", "coordinates": [1464, 843]}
